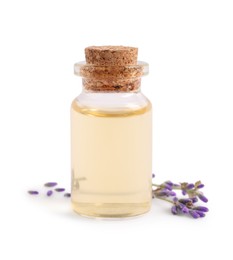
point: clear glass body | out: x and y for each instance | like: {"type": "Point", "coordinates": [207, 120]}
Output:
{"type": "Point", "coordinates": [111, 154]}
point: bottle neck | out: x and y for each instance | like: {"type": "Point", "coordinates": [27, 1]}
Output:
{"type": "Point", "coordinates": [111, 85]}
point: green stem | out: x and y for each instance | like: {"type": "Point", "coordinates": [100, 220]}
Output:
{"type": "Point", "coordinates": [161, 186]}
{"type": "Point", "coordinates": [164, 199]}
{"type": "Point", "coordinates": [156, 185]}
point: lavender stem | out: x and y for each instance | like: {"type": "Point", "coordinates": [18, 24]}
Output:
{"type": "Point", "coordinates": [173, 187]}
{"type": "Point", "coordinates": [161, 198]}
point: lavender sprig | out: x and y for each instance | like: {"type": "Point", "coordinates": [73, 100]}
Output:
{"type": "Point", "coordinates": [183, 205]}
{"type": "Point", "coordinates": [186, 206]}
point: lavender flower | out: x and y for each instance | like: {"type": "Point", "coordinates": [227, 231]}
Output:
{"type": "Point", "coordinates": [167, 186]}
{"type": "Point", "coordinates": [169, 183]}
{"type": "Point", "coordinates": [172, 193]}
{"type": "Point", "coordinates": [201, 208]}
{"type": "Point", "coordinates": [200, 213]}
{"type": "Point", "coordinates": [194, 214]}
{"type": "Point", "coordinates": [164, 192]}
{"type": "Point", "coordinates": [49, 193]}
{"type": "Point", "coordinates": [187, 188]}
{"type": "Point", "coordinates": [202, 197]}
{"type": "Point", "coordinates": [186, 206]}
{"type": "Point", "coordinates": [183, 205]}
{"type": "Point", "coordinates": [194, 199]}
{"type": "Point", "coordinates": [50, 184]}
{"type": "Point", "coordinates": [59, 189]}
{"type": "Point", "coordinates": [183, 208]}
{"type": "Point", "coordinates": [174, 210]}
{"type": "Point", "coordinates": [190, 186]}
{"type": "Point", "coordinates": [179, 207]}
{"type": "Point", "coordinates": [33, 192]}
{"type": "Point", "coordinates": [184, 192]}
{"type": "Point", "coordinates": [185, 201]}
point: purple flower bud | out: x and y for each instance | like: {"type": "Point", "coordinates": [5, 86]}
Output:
{"type": "Point", "coordinates": [183, 208]}
{"type": "Point", "coordinates": [175, 199]}
{"type": "Point", "coordinates": [33, 192]}
{"type": "Point", "coordinates": [201, 208]}
{"type": "Point", "coordinates": [59, 189]}
{"type": "Point", "coordinates": [194, 214]}
{"type": "Point", "coordinates": [190, 186]}
{"type": "Point", "coordinates": [49, 193]}
{"type": "Point", "coordinates": [174, 210]}
{"type": "Point", "coordinates": [200, 186]}
{"type": "Point", "coordinates": [172, 193]}
{"type": "Point", "coordinates": [184, 192]}
{"type": "Point", "coordinates": [200, 213]}
{"type": "Point", "coordinates": [162, 193]}
{"type": "Point", "coordinates": [167, 186]}
{"type": "Point", "coordinates": [67, 195]}
{"type": "Point", "coordinates": [194, 199]}
{"type": "Point", "coordinates": [181, 205]}
{"type": "Point", "coordinates": [169, 183]}
{"type": "Point", "coordinates": [50, 184]}
{"type": "Point", "coordinates": [202, 198]}
{"type": "Point", "coordinates": [184, 201]}
{"type": "Point", "coordinates": [153, 175]}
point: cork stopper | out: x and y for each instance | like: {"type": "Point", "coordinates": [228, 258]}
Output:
{"type": "Point", "coordinates": [111, 68]}
{"type": "Point", "coordinates": [111, 55]}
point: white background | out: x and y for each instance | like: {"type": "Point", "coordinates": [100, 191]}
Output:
{"type": "Point", "coordinates": [189, 46]}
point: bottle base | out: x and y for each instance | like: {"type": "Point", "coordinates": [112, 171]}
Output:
{"type": "Point", "coordinates": [111, 210]}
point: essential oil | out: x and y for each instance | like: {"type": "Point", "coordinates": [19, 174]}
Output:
{"type": "Point", "coordinates": [111, 136]}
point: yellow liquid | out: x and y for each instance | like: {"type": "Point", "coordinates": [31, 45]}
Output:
{"type": "Point", "coordinates": [111, 158]}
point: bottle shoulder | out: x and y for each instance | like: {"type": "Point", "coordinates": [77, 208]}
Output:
{"type": "Point", "coordinates": [112, 101]}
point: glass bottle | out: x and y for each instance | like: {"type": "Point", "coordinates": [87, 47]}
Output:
{"type": "Point", "coordinates": [111, 135]}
